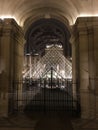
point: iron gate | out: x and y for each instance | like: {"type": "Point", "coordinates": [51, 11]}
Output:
{"type": "Point", "coordinates": [47, 85]}
{"type": "Point", "coordinates": [41, 95]}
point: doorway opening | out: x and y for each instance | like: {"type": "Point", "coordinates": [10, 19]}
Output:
{"type": "Point", "coordinates": [47, 74]}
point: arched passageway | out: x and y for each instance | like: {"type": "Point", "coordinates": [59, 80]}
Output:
{"type": "Point", "coordinates": [47, 73]}
{"type": "Point", "coordinates": [43, 33]}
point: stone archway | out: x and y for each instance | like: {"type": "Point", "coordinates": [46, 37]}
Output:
{"type": "Point", "coordinates": [47, 32]}
{"type": "Point", "coordinates": [81, 38]}
{"type": "Point", "coordinates": [83, 67]}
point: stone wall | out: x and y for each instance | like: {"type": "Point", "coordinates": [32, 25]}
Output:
{"type": "Point", "coordinates": [85, 63]}
{"type": "Point", "coordinates": [84, 57]}
{"type": "Point", "coordinates": [11, 55]}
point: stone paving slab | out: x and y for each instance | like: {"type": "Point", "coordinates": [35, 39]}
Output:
{"type": "Point", "coordinates": [19, 121]}
{"type": "Point", "coordinates": [38, 122]}
{"type": "Point", "coordinates": [16, 128]}
{"type": "Point", "coordinates": [85, 124]}
{"type": "Point", "coordinates": [22, 122]}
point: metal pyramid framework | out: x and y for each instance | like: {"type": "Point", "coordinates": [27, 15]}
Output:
{"type": "Point", "coordinates": [55, 59]}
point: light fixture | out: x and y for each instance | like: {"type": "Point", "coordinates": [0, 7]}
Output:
{"type": "Point", "coordinates": [28, 54]}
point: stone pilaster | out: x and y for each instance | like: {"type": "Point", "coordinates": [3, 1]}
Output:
{"type": "Point", "coordinates": [95, 38]}
{"type": "Point", "coordinates": [75, 68]}
{"type": "Point", "coordinates": [11, 49]}
{"type": "Point", "coordinates": [85, 45]}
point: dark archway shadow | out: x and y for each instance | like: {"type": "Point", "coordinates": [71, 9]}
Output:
{"type": "Point", "coordinates": [59, 121]}
{"type": "Point", "coordinates": [50, 118]}
{"type": "Point", "coordinates": [50, 100]}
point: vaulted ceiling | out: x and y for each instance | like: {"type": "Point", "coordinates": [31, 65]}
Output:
{"type": "Point", "coordinates": [46, 32]}
{"type": "Point", "coordinates": [25, 11]}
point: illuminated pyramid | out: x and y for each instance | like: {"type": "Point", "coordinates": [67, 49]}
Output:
{"type": "Point", "coordinates": [55, 59]}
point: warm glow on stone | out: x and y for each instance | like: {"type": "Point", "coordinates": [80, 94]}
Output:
{"type": "Point", "coordinates": [9, 16]}
{"type": "Point", "coordinates": [83, 15]}
{"type": "Point", "coordinates": [87, 15]}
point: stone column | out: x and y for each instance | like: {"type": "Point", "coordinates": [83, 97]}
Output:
{"type": "Point", "coordinates": [95, 60]}
{"type": "Point", "coordinates": [9, 39]}
{"type": "Point", "coordinates": [18, 61]}
{"type": "Point", "coordinates": [84, 36]}
{"type": "Point", "coordinates": [75, 79]}
{"type": "Point", "coordinates": [6, 72]}
{"type": "Point", "coordinates": [91, 64]}
{"type": "Point", "coordinates": [83, 70]}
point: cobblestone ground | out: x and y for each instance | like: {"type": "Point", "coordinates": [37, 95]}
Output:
{"type": "Point", "coordinates": [40, 121]}
{"type": "Point", "coordinates": [17, 122]}
{"type": "Point", "coordinates": [79, 124]}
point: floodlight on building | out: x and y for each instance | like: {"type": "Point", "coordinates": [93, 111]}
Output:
{"type": "Point", "coordinates": [28, 54]}
{"type": "Point", "coordinates": [60, 46]}
{"type": "Point", "coordinates": [48, 46]}
{"type": "Point", "coordinates": [36, 54]}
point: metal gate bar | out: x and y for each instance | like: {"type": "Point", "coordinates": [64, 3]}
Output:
{"type": "Point", "coordinates": [36, 98]}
